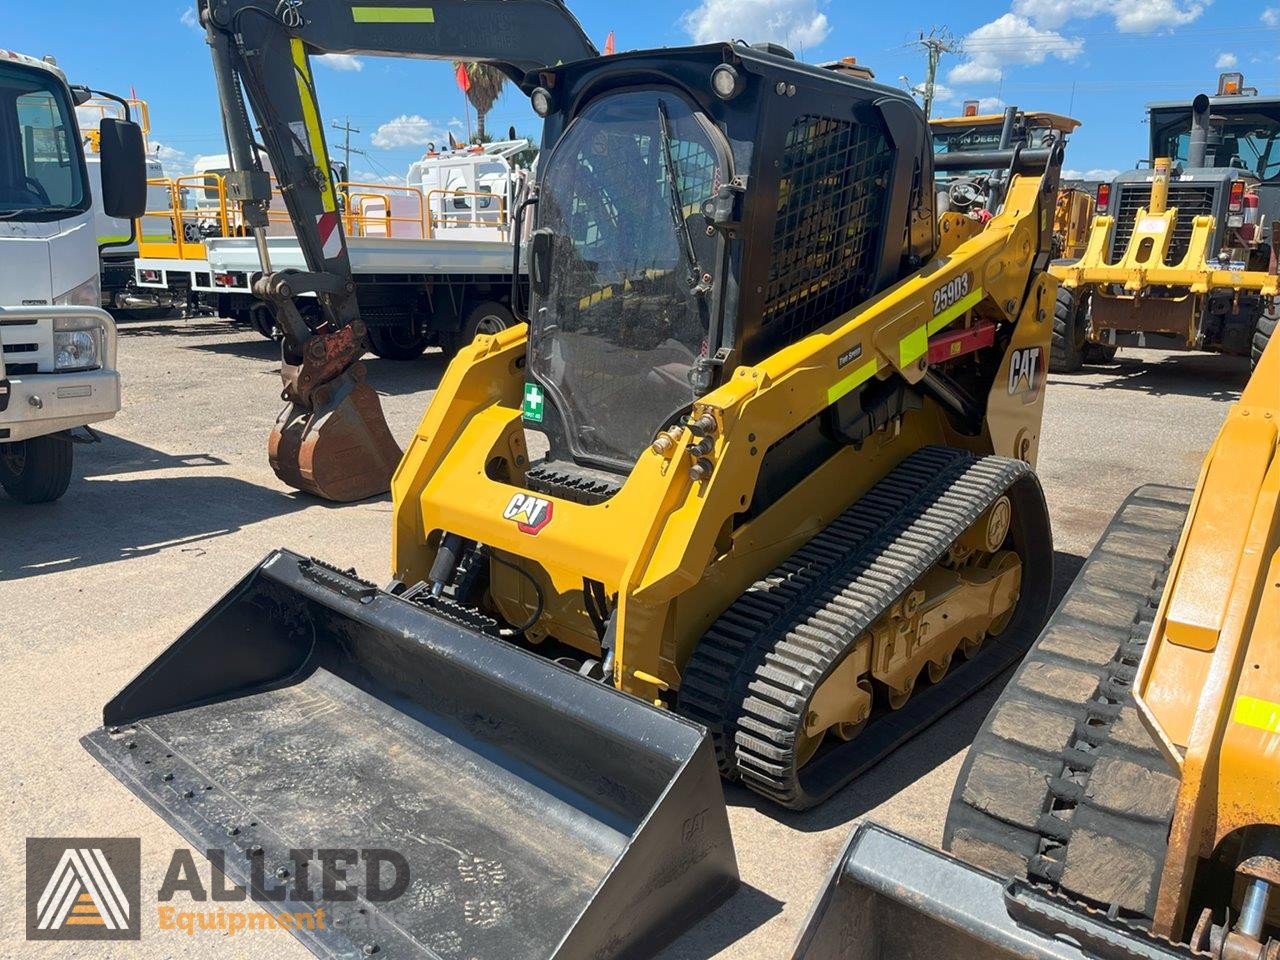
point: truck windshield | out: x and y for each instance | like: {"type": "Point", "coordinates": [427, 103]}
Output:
{"type": "Point", "coordinates": [41, 168]}
{"type": "Point", "coordinates": [1250, 141]}
{"type": "Point", "coordinates": [616, 337]}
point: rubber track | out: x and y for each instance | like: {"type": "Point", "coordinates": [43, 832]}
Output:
{"type": "Point", "coordinates": [1063, 784]}
{"type": "Point", "coordinates": [751, 677]}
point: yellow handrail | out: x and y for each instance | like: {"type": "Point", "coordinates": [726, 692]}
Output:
{"type": "Point", "coordinates": [357, 220]}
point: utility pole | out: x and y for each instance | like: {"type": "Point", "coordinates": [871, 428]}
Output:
{"type": "Point", "coordinates": [935, 43]}
{"type": "Point", "coordinates": [347, 130]}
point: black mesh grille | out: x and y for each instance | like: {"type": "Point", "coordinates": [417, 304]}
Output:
{"type": "Point", "coordinates": [1191, 201]}
{"type": "Point", "coordinates": [827, 235]}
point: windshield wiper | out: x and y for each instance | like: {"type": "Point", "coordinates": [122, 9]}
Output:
{"type": "Point", "coordinates": [43, 211]}
{"type": "Point", "coordinates": [683, 235]}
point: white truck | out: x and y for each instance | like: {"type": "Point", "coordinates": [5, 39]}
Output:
{"type": "Point", "coordinates": [432, 257]}
{"type": "Point", "coordinates": [118, 238]}
{"type": "Point", "coordinates": [57, 346]}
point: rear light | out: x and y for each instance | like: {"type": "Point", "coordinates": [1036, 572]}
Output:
{"type": "Point", "coordinates": [1236, 203]}
{"type": "Point", "coordinates": [1104, 197]}
{"type": "Point", "coordinates": [149, 276]}
{"type": "Point", "coordinates": [224, 279]}
{"type": "Point", "coordinates": [971, 108]}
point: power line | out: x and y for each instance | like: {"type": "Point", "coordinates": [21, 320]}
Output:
{"type": "Point", "coordinates": [347, 130]}
{"type": "Point", "coordinates": [939, 41]}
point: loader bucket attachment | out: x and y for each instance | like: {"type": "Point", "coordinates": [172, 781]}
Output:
{"type": "Point", "coordinates": [539, 814]}
{"type": "Point", "coordinates": [891, 898]}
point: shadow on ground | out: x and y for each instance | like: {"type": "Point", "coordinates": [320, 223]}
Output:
{"type": "Point", "coordinates": [1207, 375]}
{"type": "Point", "coordinates": [111, 520]}
{"type": "Point", "coordinates": [946, 736]}
{"type": "Point", "coordinates": [742, 913]}
{"type": "Point", "coordinates": [117, 455]}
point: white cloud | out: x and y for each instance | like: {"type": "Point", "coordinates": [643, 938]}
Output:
{"type": "Point", "coordinates": [991, 105]}
{"type": "Point", "coordinates": [368, 176]}
{"type": "Point", "coordinates": [1129, 16]}
{"type": "Point", "coordinates": [176, 162]}
{"type": "Point", "coordinates": [1226, 61]}
{"type": "Point", "coordinates": [793, 23]}
{"type": "Point", "coordinates": [340, 61]}
{"type": "Point", "coordinates": [190, 19]}
{"type": "Point", "coordinates": [1097, 173]}
{"type": "Point", "coordinates": [407, 131]}
{"type": "Point", "coordinates": [1010, 40]}
{"type": "Point", "coordinates": [1271, 16]}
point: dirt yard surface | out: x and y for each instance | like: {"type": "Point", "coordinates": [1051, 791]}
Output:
{"type": "Point", "coordinates": [178, 502]}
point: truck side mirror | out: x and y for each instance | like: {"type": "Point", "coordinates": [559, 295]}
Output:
{"type": "Point", "coordinates": [124, 169]}
{"type": "Point", "coordinates": [540, 248]}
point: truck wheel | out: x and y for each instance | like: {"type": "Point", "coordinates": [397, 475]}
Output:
{"type": "Point", "coordinates": [1099, 352]}
{"type": "Point", "coordinates": [1066, 349]}
{"type": "Point", "coordinates": [36, 470]}
{"type": "Point", "coordinates": [1262, 336]}
{"type": "Point", "coordinates": [398, 343]}
{"type": "Point", "coordinates": [489, 317]}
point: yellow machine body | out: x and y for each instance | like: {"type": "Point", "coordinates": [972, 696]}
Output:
{"type": "Point", "coordinates": [1209, 685]}
{"type": "Point", "coordinates": [668, 544]}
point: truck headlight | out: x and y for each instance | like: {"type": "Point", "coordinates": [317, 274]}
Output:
{"type": "Point", "coordinates": [77, 344]}
{"type": "Point", "coordinates": [87, 294]}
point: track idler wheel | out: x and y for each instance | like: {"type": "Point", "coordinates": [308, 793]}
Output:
{"type": "Point", "coordinates": [338, 448]}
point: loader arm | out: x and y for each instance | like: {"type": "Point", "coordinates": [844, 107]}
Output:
{"type": "Point", "coordinates": [261, 53]}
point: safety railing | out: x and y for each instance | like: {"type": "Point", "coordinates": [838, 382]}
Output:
{"type": "Point", "coordinates": [370, 210]}
{"type": "Point", "coordinates": [469, 209]}
{"type": "Point", "coordinates": [210, 214]}
{"type": "Point", "coordinates": [198, 209]}
{"type": "Point", "coordinates": [92, 112]}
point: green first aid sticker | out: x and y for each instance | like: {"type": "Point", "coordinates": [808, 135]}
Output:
{"type": "Point", "coordinates": [533, 400]}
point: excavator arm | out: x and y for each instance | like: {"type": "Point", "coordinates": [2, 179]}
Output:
{"type": "Point", "coordinates": [332, 439]}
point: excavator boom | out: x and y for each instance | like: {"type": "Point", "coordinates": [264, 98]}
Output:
{"type": "Point", "coordinates": [332, 439]}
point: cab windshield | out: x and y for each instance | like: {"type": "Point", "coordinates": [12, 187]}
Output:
{"type": "Point", "coordinates": [626, 310]}
{"type": "Point", "coordinates": [1250, 141]}
{"type": "Point", "coordinates": [41, 168]}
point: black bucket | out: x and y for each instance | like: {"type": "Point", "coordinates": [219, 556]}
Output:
{"type": "Point", "coordinates": [892, 898]}
{"type": "Point", "coordinates": [539, 814]}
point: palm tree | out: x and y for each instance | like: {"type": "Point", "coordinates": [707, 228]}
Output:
{"type": "Point", "coordinates": [484, 85]}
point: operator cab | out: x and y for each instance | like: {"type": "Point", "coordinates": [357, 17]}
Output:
{"type": "Point", "coordinates": [644, 226]}
{"type": "Point", "coordinates": [973, 192]}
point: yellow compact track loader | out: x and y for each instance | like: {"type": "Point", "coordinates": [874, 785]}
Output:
{"type": "Point", "coordinates": [758, 466]}
{"type": "Point", "coordinates": [1122, 799]}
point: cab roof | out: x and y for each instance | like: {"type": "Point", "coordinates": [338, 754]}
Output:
{"type": "Point", "coordinates": [1055, 121]}
{"type": "Point", "coordinates": [47, 64]}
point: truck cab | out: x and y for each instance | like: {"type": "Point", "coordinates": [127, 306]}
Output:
{"type": "Point", "coordinates": [57, 346]}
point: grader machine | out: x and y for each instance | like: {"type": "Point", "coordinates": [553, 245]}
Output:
{"type": "Point", "coordinates": [1122, 799]}
{"type": "Point", "coordinates": [756, 465]}
{"type": "Point", "coordinates": [1182, 254]}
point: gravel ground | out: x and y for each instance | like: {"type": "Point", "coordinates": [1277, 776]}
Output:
{"type": "Point", "coordinates": [179, 502]}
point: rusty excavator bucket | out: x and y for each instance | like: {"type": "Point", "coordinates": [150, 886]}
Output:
{"type": "Point", "coordinates": [339, 447]}
{"type": "Point", "coordinates": [332, 440]}
{"type": "Point", "coordinates": [539, 814]}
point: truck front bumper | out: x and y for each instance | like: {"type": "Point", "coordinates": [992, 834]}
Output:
{"type": "Point", "coordinates": [43, 403]}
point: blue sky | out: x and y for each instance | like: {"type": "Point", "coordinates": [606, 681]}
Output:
{"type": "Point", "coordinates": [1101, 60]}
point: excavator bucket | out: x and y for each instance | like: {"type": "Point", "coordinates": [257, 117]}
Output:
{"type": "Point", "coordinates": [341, 449]}
{"type": "Point", "coordinates": [891, 898]}
{"type": "Point", "coordinates": [534, 813]}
